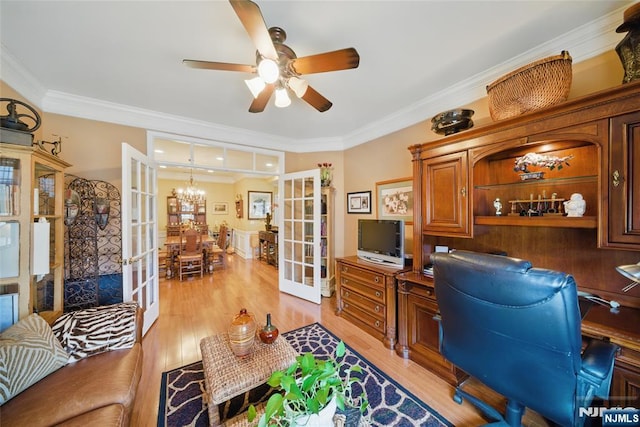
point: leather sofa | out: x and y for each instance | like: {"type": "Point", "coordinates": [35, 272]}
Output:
{"type": "Point", "coordinates": [98, 390]}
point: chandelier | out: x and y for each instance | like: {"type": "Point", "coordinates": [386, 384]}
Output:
{"type": "Point", "coordinates": [191, 194]}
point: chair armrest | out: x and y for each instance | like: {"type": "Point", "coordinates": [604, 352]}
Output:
{"type": "Point", "coordinates": [596, 371]}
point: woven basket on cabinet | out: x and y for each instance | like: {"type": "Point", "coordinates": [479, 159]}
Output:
{"type": "Point", "coordinates": [537, 85]}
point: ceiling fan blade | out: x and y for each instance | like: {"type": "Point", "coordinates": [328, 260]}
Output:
{"type": "Point", "coordinates": [317, 101]}
{"type": "Point", "coordinates": [342, 59]}
{"type": "Point", "coordinates": [223, 66]}
{"type": "Point", "coordinates": [258, 104]}
{"type": "Point", "coordinates": [252, 20]}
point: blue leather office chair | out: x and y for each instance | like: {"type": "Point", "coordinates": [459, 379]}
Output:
{"type": "Point", "coordinates": [517, 330]}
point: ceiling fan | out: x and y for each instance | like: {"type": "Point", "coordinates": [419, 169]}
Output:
{"type": "Point", "coordinates": [277, 66]}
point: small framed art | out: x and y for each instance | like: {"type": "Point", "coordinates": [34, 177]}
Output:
{"type": "Point", "coordinates": [359, 203]}
{"type": "Point", "coordinates": [220, 208]}
{"type": "Point", "coordinates": [259, 204]}
{"type": "Point", "coordinates": [395, 199]}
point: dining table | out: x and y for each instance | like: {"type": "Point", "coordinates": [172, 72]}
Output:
{"type": "Point", "coordinates": [172, 245]}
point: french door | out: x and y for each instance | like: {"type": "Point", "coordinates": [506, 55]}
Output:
{"type": "Point", "coordinates": [299, 242]}
{"type": "Point", "coordinates": [139, 233]}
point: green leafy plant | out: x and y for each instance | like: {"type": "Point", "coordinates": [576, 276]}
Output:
{"type": "Point", "coordinates": [307, 387]}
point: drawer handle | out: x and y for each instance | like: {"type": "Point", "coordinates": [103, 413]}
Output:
{"type": "Point", "coordinates": [345, 281]}
{"type": "Point", "coordinates": [346, 293]}
{"type": "Point", "coordinates": [376, 279]}
{"type": "Point", "coordinates": [377, 323]}
{"type": "Point", "coordinates": [377, 309]}
{"type": "Point", "coordinates": [346, 305]}
{"type": "Point", "coordinates": [616, 178]}
{"type": "Point", "coordinates": [429, 292]}
{"type": "Point", "coordinates": [378, 294]}
{"type": "Point", "coordinates": [345, 269]}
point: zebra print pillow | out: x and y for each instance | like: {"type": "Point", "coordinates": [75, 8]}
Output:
{"type": "Point", "coordinates": [28, 352]}
{"type": "Point", "coordinates": [91, 331]}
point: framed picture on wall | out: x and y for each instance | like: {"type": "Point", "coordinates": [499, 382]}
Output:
{"type": "Point", "coordinates": [220, 208]}
{"type": "Point", "coordinates": [395, 199]}
{"type": "Point", "coordinates": [359, 203]}
{"type": "Point", "coordinates": [259, 204]}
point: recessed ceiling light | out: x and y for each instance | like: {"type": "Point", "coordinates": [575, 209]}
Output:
{"type": "Point", "coordinates": [210, 170]}
{"type": "Point", "coordinates": [220, 158]}
{"type": "Point", "coordinates": [158, 151]}
{"type": "Point", "coordinates": [269, 165]}
{"type": "Point", "coordinates": [163, 166]}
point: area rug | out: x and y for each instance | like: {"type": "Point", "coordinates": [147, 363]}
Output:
{"type": "Point", "coordinates": [390, 403]}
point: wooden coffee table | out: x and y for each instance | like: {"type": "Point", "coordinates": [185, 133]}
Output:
{"type": "Point", "coordinates": [227, 376]}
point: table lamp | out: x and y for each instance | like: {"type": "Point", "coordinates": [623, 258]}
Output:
{"type": "Point", "coordinates": [632, 272]}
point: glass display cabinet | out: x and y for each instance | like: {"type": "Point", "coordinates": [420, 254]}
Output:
{"type": "Point", "coordinates": [32, 214]}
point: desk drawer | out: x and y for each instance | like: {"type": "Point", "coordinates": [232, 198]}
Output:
{"type": "Point", "coordinates": [364, 317]}
{"type": "Point", "coordinates": [366, 276]}
{"type": "Point", "coordinates": [375, 293]}
{"type": "Point", "coordinates": [376, 309]}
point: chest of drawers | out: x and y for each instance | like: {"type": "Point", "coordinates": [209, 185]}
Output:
{"type": "Point", "coordinates": [366, 296]}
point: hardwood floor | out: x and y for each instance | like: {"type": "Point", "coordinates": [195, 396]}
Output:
{"type": "Point", "coordinates": [195, 308]}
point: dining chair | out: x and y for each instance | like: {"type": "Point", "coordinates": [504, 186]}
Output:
{"type": "Point", "coordinates": [219, 250]}
{"type": "Point", "coordinates": [190, 257]}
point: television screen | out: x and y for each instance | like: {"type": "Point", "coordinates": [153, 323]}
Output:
{"type": "Point", "coordinates": [381, 241]}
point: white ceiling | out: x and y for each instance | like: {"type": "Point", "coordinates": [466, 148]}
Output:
{"type": "Point", "coordinates": [120, 61]}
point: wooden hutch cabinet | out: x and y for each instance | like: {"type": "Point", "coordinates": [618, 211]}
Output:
{"type": "Point", "coordinates": [180, 212]}
{"type": "Point", "coordinates": [445, 180]}
{"type": "Point", "coordinates": [32, 228]}
{"type": "Point", "coordinates": [623, 181]}
{"type": "Point", "coordinates": [457, 179]}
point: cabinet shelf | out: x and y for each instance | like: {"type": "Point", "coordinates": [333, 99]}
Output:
{"type": "Point", "coordinates": [538, 182]}
{"type": "Point", "coordinates": [539, 221]}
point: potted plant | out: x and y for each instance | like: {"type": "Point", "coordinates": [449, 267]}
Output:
{"type": "Point", "coordinates": [311, 390]}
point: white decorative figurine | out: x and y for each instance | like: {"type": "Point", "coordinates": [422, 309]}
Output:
{"type": "Point", "coordinates": [575, 206]}
{"type": "Point", "coordinates": [498, 205]}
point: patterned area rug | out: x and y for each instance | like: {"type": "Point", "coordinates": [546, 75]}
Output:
{"type": "Point", "coordinates": [391, 404]}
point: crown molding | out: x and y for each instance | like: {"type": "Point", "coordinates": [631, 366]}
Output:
{"type": "Point", "coordinates": [583, 43]}
{"type": "Point", "coordinates": [20, 79]}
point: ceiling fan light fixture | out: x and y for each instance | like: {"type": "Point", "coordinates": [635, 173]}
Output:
{"type": "Point", "coordinates": [298, 86]}
{"type": "Point", "coordinates": [282, 98]}
{"type": "Point", "coordinates": [255, 85]}
{"type": "Point", "coordinates": [268, 70]}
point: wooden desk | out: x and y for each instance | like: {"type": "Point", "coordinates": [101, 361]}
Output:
{"type": "Point", "coordinates": [622, 327]}
{"type": "Point", "coordinates": [172, 244]}
{"type": "Point", "coordinates": [418, 337]}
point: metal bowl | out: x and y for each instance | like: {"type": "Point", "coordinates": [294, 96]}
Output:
{"type": "Point", "coordinates": [452, 121]}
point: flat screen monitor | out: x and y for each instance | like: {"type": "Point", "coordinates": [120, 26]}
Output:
{"type": "Point", "coordinates": [381, 241]}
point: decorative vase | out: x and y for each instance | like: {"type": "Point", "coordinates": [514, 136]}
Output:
{"type": "Point", "coordinates": [269, 332]}
{"type": "Point", "coordinates": [323, 418]}
{"type": "Point", "coordinates": [242, 333]}
{"type": "Point", "coordinates": [325, 174]}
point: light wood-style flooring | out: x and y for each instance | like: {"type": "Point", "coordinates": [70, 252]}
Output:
{"type": "Point", "coordinates": [195, 308]}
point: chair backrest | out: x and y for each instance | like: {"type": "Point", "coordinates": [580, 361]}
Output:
{"type": "Point", "coordinates": [192, 241]}
{"type": "Point", "coordinates": [222, 237]}
{"type": "Point", "coordinates": [513, 327]}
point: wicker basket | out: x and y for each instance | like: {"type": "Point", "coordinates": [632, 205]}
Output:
{"type": "Point", "coordinates": [538, 85]}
